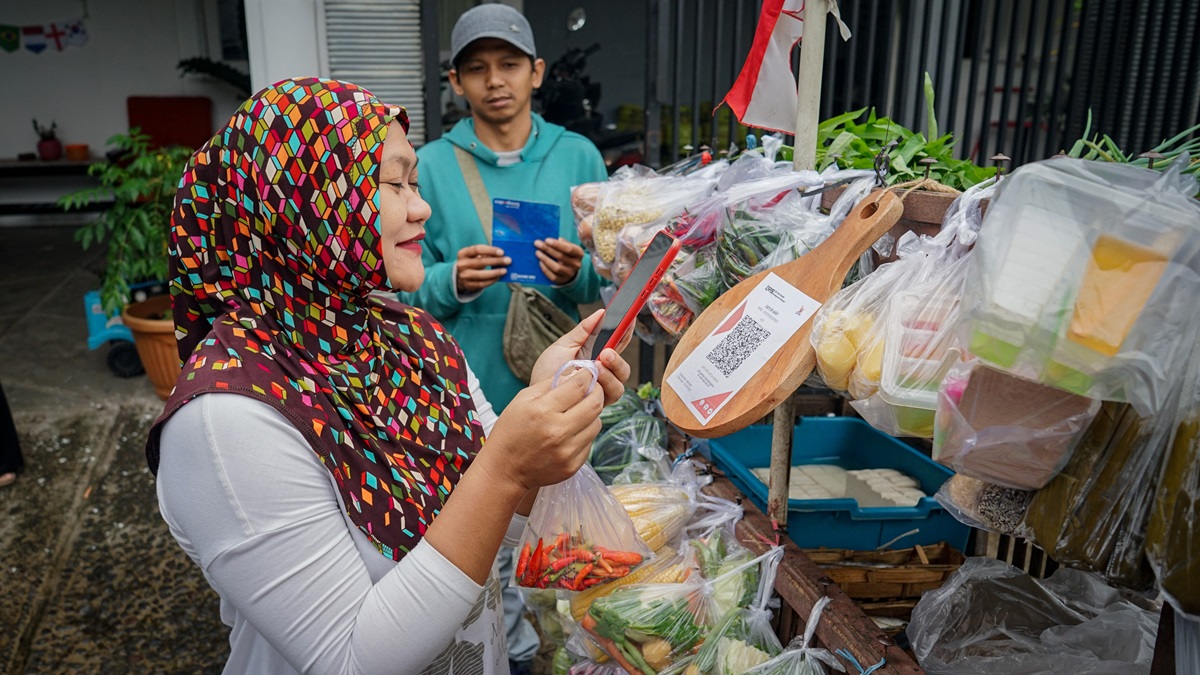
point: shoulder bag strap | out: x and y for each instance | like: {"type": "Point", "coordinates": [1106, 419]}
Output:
{"type": "Point", "coordinates": [479, 194]}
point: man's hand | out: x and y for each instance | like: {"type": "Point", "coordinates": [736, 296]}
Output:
{"type": "Point", "coordinates": [560, 259]}
{"type": "Point", "coordinates": [478, 267]}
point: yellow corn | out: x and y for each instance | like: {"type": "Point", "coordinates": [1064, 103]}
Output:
{"type": "Point", "coordinates": [659, 512]}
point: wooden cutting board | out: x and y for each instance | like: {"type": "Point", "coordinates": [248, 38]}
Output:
{"type": "Point", "coordinates": [818, 274]}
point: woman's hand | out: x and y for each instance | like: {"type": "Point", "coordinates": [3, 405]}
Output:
{"type": "Point", "coordinates": [614, 371]}
{"type": "Point", "coordinates": [544, 435]}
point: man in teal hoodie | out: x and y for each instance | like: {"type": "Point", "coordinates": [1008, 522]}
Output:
{"type": "Point", "coordinates": [519, 156]}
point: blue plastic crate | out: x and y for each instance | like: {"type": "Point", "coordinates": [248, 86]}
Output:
{"type": "Point", "coordinates": [840, 523]}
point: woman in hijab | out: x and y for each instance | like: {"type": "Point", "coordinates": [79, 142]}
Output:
{"type": "Point", "coordinates": [308, 455]}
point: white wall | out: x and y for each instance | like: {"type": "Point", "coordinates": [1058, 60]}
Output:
{"type": "Point", "coordinates": [132, 50]}
{"type": "Point", "coordinates": [284, 40]}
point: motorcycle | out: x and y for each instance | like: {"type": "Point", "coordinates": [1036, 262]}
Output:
{"type": "Point", "coordinates": [569, 98]}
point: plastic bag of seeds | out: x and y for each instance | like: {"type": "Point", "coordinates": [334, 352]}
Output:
{"type": "Point", "coordinates": [983, 505]}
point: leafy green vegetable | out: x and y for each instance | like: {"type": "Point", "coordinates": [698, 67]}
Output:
{"type": "Point", "coordinates": [619, 447]}
{"type": "Point", "coordinates": [625, 407]}
{"type": "Point", "coordinates": [735, 586]}
{"type": "Point", "coordinates": [634, 615]}
{"type": "Point", "coordinates": [1104, 148]}
{"type": "Point", "coordinates": [853, 143]}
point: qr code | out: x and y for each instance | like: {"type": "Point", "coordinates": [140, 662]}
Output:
{"type": "Point", "coordinates": [736, 347]}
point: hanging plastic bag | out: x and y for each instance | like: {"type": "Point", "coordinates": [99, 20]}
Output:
{"type": "Point", "coordinates": [659, 510]}
{"type": "Point", "coordinates": [984, 506]}
{"type": "Point", "coordinates": [1000, 428]}
{"type": "Point", "coordinates": [1093, 513]}
{"type": "Point", "coordinates": [849, 350]}
{"type": "Point", "coordinates": [638, 202]}
{"type": "Point", "coordinates": [743, 638]}
{"type": "Point", "coordinates": [800, 658]}
{"type": "Point", "coordinates": [626, 442]}
{"type": "Point", "coordinates": [991, 618]}
{"type": "Point", "coordinates": [1173, 532]}
{"type": "Point", "coordinates": [577, 535]}
{"type": "Point", "coordinates": [648, 628]}
{"type": "Point", "coordinates": [1084, 276]}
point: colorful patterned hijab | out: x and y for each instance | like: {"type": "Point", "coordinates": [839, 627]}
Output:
{"type": "Point", "coordinates": [276, 249]}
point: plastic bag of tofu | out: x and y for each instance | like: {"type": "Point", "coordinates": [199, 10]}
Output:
{"type": "Point", "coordinates": [1083, 277]}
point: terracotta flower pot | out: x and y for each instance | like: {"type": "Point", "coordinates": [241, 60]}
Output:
{"type": "Point", "coordinates": [78, 152]}
{"type": "Point", "coordinates": [50, 150]}
{"type": "Point", "coordinates": [153, 331]}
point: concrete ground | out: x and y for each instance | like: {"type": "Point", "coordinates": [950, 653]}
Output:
{"type": "Point", "coordinates": [90, 579]}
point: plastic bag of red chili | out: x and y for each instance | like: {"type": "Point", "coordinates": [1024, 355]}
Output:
{"type": "Point", "coordinates": [578, 536]}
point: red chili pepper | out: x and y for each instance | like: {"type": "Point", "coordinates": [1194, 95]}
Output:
{"type": "Point", "coordinates": [589, 582]}
{"type": "Point", "coordinates": [602, 563]}
{"type": "Point", "coordinates": [523, 562]}
{"type": "Point", "coordinates": [561, 563]}
{"type": "Point", "coordinates": [583, 554]}
{"type": "Point", "coordinates": [532, 572]}
{"type": "Point", "coordinates": [582, 573]}
{"type": "Point", "coordinates": [560, 544]}
{"type": "Point", "coordinates": [620, 557]}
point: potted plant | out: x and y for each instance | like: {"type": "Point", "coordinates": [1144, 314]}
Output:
{"type": "Point", "coordinates": [140, 179]}
{"type": "Point", "coordinates": [49, 147]}
{"type": "Point", "coordinates": [854, 143]}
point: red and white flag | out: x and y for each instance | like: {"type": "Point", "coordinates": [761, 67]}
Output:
{"type": "Point", "coordinates": [764, 95]}
{"type": "Point", "coordinates": [34, 38]}
{"type": "Point", "coordinates": [56, 35]}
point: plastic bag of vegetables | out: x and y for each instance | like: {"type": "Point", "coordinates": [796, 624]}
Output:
{"type": "Point", "coordinates": [627, 441]}
{"type": "Point", "coordinates": [648, 628]}
{"type": "Point", "coordinates": [743, 638]}
{"type": "Point", "coordinates": [799, 658]}
{"type": "Point", "coordinates": [577, 535]}
{"type": "Point", "coordinates": [636, 202]}
{"type": "Point", "coordinates": [625, 407]}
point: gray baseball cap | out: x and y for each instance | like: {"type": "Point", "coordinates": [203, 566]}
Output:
{"type": "Point", "coordinates": [492, 20]}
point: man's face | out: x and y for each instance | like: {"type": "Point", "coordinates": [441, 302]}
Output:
{"type": "Point", "coordinates": [497, 79]}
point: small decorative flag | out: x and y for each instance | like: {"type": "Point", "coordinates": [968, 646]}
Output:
{"type": "Point", "coordinates": [10, 38]}
{"type": "Point", "coordinates": [76, 32]}
{"type": "Point", "coordinates": [34, 37]}
{"type": "Point", "coordinates": [764, 94]}
{"type": "Point", "coordinates": [56, 36]}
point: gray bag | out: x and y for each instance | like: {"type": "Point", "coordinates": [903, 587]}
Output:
{"type": "Point", "coordinates": [534, 322]}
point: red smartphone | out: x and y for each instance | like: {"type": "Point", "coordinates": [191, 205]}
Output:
{"type": "Point", "coordinates": [631, 296]}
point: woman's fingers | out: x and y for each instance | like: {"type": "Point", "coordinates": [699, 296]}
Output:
{"type": "Point", "coordinates": [614, 371]}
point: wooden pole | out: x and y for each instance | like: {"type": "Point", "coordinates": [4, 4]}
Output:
{"type": "Point", "coordinates": [804, 157]}
{"type": "Point", "coordinates": [812, 61]}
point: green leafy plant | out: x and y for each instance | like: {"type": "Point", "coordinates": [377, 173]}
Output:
{"type": "Point", "coordinates": [141, 184]}
{"type": "Point", "coordinates": [1103, 148]}
{"type": "Point", "coordinates": [853, 143]}
{"type": "Point", "coordinates": [45, 133]}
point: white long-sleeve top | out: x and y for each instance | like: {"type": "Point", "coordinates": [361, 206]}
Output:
{"type": "Point", "coordinates": [302, 588]}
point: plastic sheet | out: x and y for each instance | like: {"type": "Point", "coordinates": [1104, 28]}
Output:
{"type": "Point", "coordinates": [991, 618]}
{"type": "Point", "coordinates": [1003, 429]}
{"type": "Point", "coordinates": [1084, 275]}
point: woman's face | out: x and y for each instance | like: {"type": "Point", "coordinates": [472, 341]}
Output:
{"type": "Point", "coordinates": [402, 212]}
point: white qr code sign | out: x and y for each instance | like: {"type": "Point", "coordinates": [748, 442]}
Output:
{"type": "Point", "coordinates": [740, 346]}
